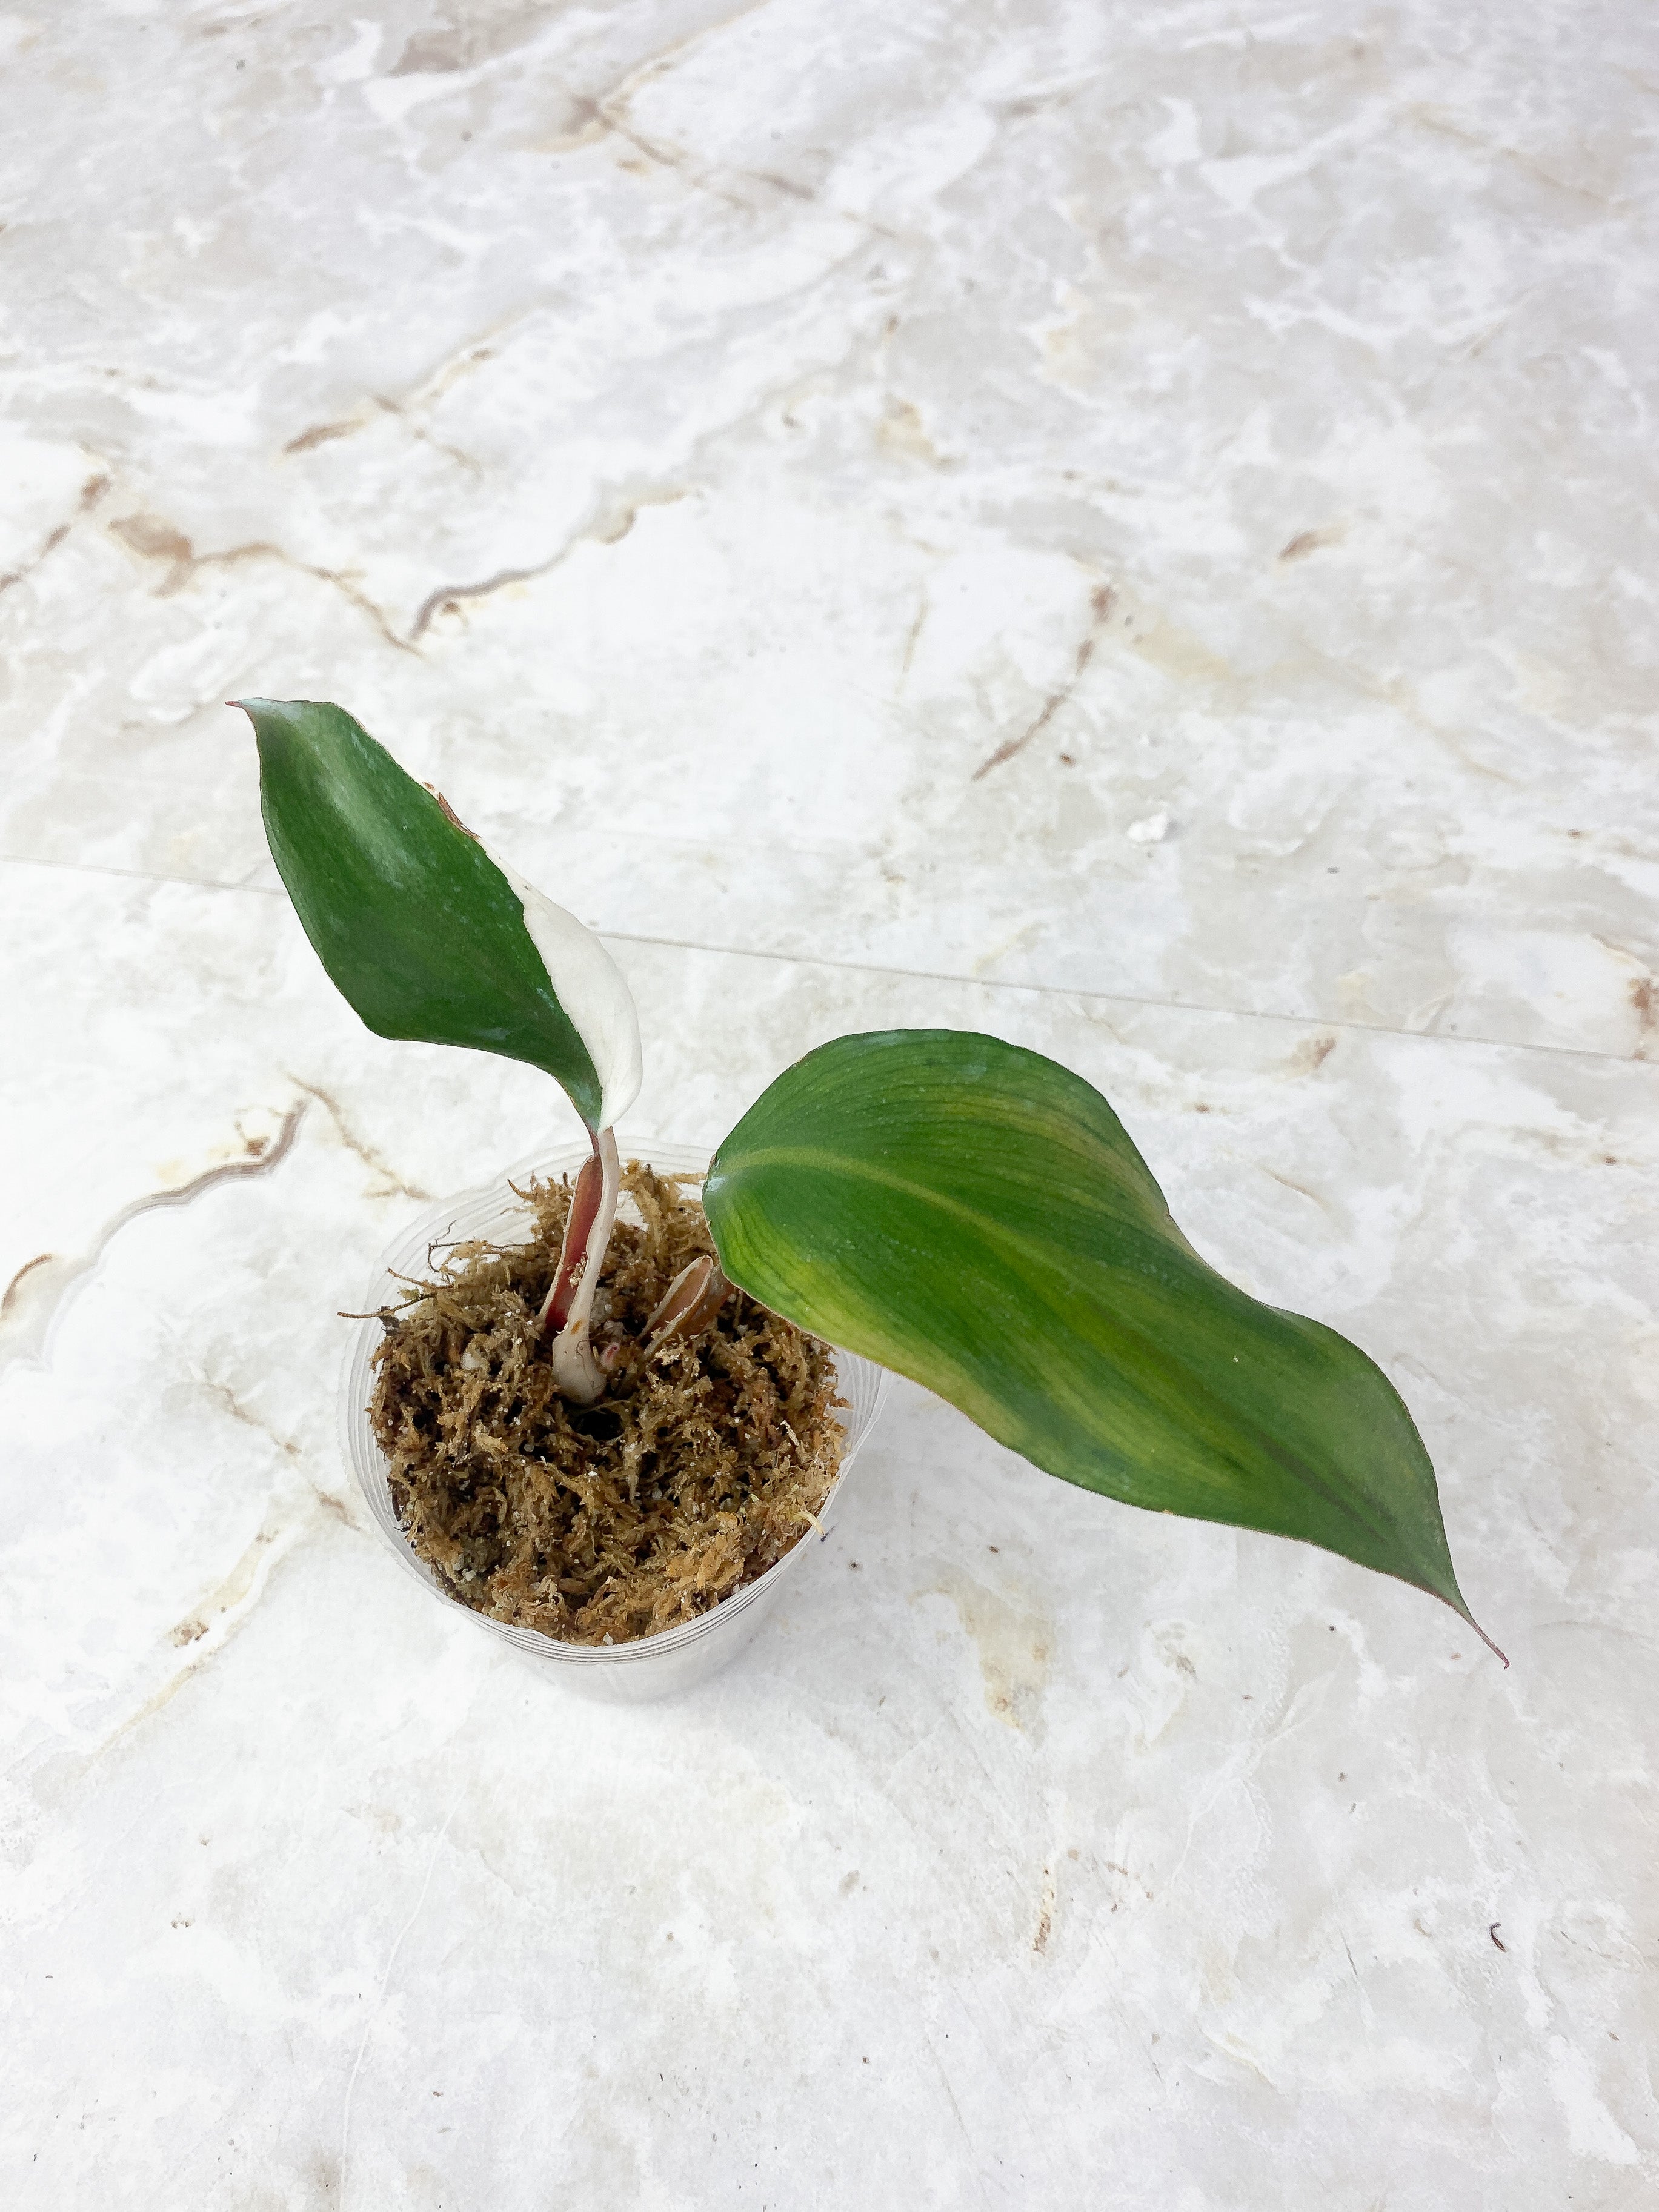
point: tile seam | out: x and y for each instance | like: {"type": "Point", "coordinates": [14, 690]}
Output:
{"type": "Point", "coordinates": [1067, 991]}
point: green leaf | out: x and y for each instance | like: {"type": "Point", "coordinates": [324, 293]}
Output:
{"type": "Point", "coordinates": [422, 931]}
{"type": "Point", "coordinates": [974, 1216]}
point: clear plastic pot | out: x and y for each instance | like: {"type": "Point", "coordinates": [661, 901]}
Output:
{"type": "Point", "coordinates": [651, 1666]}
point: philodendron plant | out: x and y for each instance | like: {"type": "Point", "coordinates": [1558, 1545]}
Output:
{"type": "Point", "coordinates": [957, 1209]}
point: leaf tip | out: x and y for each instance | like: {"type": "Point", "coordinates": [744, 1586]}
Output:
{"type": "Point", "coordinates": [1467, 1618]}
{"type": "Point", "coordinates": [253, 708]}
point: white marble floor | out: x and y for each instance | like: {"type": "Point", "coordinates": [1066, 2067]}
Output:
{"type": "Point", "coordinates": [1131, 528]}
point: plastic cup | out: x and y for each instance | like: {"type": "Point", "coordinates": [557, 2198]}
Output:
{"type": "Point", "coordinates": [624, 1674]}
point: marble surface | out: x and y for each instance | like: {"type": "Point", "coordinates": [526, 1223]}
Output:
{"type": "Point", "coordinates": [1132, 529]}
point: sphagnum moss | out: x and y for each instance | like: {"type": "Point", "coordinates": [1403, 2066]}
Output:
{"type": "Point", "coordinates": [701, 1466]}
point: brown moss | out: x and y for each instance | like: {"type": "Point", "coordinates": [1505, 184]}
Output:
{"type": "Point", "coordinates": [699, 1468]}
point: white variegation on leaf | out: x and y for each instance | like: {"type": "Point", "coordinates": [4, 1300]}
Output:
{"type": "Point", "coordinates": [588, 984]}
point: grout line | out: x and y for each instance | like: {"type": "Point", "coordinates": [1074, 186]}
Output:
{"type": "Point", "coordinates": [136, 875]}
{"type": "Point", "coordinates": [1132, 998]}
{"type": "Point", "coordinates": [937, 976]}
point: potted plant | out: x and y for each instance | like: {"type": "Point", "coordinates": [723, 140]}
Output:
{"type": "Point", "coordinates": [935, 1202]}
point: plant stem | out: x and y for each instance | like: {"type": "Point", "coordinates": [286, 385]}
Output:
{"type": "Point", "coordinates": [568, 1306]}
